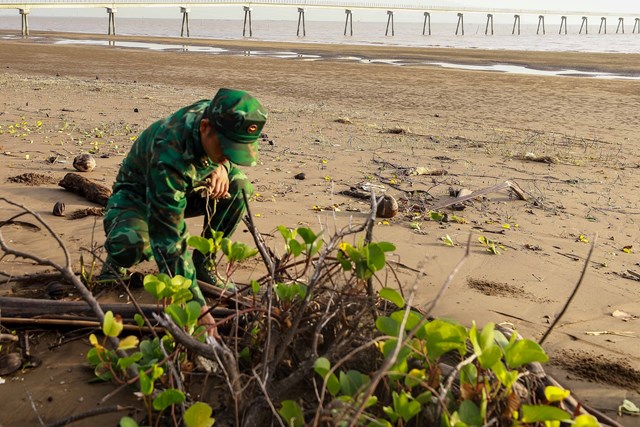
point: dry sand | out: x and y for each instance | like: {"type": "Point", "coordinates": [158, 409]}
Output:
{"type": "Point", "coordinates": [338, 122]}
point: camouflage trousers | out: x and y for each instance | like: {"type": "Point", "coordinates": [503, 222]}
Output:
{"type": "Point", "coordinates": [127, 228]}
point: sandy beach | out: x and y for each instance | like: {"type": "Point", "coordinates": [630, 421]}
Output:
{"type": "Point", "coordinates": [571, 143]}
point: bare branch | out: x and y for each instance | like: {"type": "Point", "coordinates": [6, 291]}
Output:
{"type": "Point", "coordinates": [573, 293]}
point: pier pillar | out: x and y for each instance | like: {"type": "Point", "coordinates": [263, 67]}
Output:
{"type": "Point", "coordinates": [427, 21]}
{"type": "Point", "coordinates": [541, 21]}
{"type": "Point", "coordinates": [247, 13]}
{"type": "Point", "coordinates": [24, 17]}
{"type": "Point", "coordinates": [185, 20]}
{"type": "Point", "coordinates": [390, 20]}
{"type": "Point", "coordinates": [111, 11]}
{"type": "Point", "coordinates": [563, 21]}
{"type": "Point", "coordinates": [460, 23]}
{"type": "Point", "coordinates": [636, 25]}
{"type": "Point", "coordinates": [620, 25]}
{"type": "Point", "coordinates": [516, 19]}
{"type": "Point", "coordinates": [348, 20]}
{"type": "Point", "coordinates": [486, 28]}
{"type": "Point", "coordinates": [603, 24]}
{"type": "Point", "coordinates": [301, 18]}
{"type": "Point", "coordinates": [585, 24]}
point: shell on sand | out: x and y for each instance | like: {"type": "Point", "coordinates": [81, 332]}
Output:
{"type": "Point", "coordinates": [387, 208]}
{"type": "Point", "coordinates": [58, 209]}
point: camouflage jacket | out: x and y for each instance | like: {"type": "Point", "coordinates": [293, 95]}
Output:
{"type": "Point", "coordinates": [164, 164]}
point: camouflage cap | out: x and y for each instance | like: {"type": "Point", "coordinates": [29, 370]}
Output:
{"type": "Point", "coordinates": [239, 118]}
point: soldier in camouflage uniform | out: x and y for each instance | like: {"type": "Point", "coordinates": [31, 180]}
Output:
{"type": "Point", "coordinates": [154, 189]}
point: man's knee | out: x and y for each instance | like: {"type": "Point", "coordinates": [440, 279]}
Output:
{"type": "Point", "coordinates": [126, 242]}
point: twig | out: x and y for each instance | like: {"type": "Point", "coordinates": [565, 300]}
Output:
{"type": "Point", "coordinates": [452, 376]}
{"type": "Point", "coordinates": [89, 414]}
{"type": "Point", "coordinates": [267, 398]}
{"type": "Point", "coordinates": [66, 271]}
{"type": "Point", "coordinates": [33, 405]}
{"type": "Point", "coordinates": [214, 350]}
{"type": "Point", "coordinates": [389, 361]}
{"type": "Point", "coordinates": [269, 263]}
{"type": "Point", "coordinates": [573, 294]}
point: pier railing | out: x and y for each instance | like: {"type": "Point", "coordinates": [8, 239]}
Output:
{"type": "Point", "coordinates": [330, 4]}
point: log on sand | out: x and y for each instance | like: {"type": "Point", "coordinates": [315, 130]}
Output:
{"type": "Point", "coordinates": [86, 188]}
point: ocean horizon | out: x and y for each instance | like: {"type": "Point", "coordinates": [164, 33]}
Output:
{"type": "Point", "coordinates": [406, 34]}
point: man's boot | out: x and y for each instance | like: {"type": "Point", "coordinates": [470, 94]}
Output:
{"type": "Point", "coordinates": [112, 273]}
{"type": "Point", "coordinates": [203, 272]}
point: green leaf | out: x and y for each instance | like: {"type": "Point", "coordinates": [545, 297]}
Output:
{"type": "Point", "coordinates": [412, 319]}
{"type": "Point", "coordinates": [178, 314]}
{"type": "Point", "coordinates": [205, 246]}
{"type": "Point", "coordinates": [388, 326]}
{"type": "Point", "coordinates": [307, 235]}
{"type": "Point", "coordinates": [139, 320]}
{"type": "Point", "coordinates": [375, 257]}
{"type": "Point", "coordinates": [125, 362]}
{"type": "Point", "coordinates": [112, 325]}
{"type": "Point", "coordinates": [345, 262]}
{"type": "Point", "coordinates": [386, 246]}
{"type": "Point", "coordinates": [181, 296]}
{"type": "Point", "coordinates": [193, 312]}
{"type": "Point", "coordinates": [167, 398]}
{"type": "Point", "coordinates": [469, 374]}
{"type": "Point", "coordinates": [127, 422]}
{"type": "Point", "coordinates": [443, 336]}
{"type": "Point", "coordinates": [155, 285]}
{"type": "Point", "coordinates": [541, 413]}
{"type": "Point", "coordinates": [352, 382]}
{"type": "Point", "coordinates": [295, 248]}
{"type": "Point", "coordinates": [322, 366]}
{"type": "Point", "coordinates": [146, 384]}
{"type": "Point", "coordinates": [287, 233]}
{"type": "Point", "coordinates": [198, 415]}
{"type": "Point", "coordinates": [507, 378]}
{"type": "Point", "coordinates": [393, 296]}
{"type": "Point", "coordinates": [255, 287]}
{"type": "Point", "coordinates": [291, 413]}
{"type": "Point", "coordinates": [469, 413]}
{"type": "Point", "coordinates": [524, 351]}
{"type": "Point", "coordinates": [436, 216]}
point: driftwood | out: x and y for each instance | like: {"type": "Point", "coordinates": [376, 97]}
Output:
{"type": "Point", "coordinates": [507, 184]}
{"type": "Point", "coordinates": [86, 188]}
{"type": "Point", "coordinates": [33, 308]}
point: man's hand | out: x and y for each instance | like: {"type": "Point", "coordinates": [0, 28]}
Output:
{"type": "Point", "coordinates": [219, 183]}
{"type": "Point", "coordinates": [207, 320]}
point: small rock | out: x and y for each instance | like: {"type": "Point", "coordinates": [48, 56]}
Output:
{"type": "Point", "coordinates": [300, 176]}
{"type": "Point", "coordinates": [58, 209]}
{"type": "Point", "coordinates": [135, 110]}
{"type": "Point", "coordinates": [9, 363]}
{"type": "Point", "coordinates": [84, 163]}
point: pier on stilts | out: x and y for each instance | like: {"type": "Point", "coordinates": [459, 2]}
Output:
{"type": "Point", "coordinates": [24, 7]}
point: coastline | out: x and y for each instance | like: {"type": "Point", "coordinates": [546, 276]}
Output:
{"type": "Point", "coordinates": [623, 63]}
